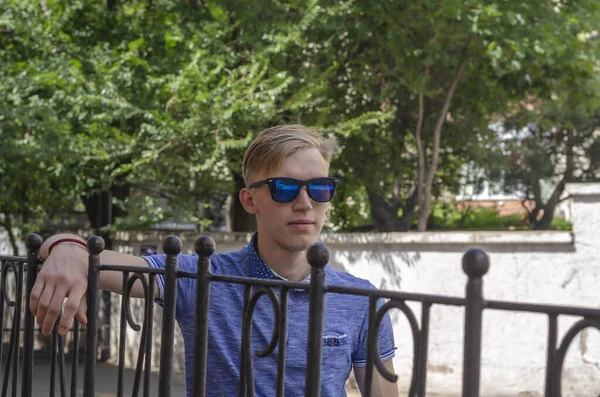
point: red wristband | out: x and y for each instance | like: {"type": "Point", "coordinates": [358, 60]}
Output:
{"type": "Point", "coordinates": [66, 240]}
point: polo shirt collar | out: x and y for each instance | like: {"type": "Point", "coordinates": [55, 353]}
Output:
{"type": "Point", "coordinates": [258, 267]}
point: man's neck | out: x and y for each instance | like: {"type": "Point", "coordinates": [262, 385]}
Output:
{"type": "Point", "coordinates": [291, 265]}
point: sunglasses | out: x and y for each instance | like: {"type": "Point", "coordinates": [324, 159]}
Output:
{"type": "Point", "coordinates": [284, 190]}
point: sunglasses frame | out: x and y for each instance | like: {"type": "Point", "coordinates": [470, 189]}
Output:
{"type": "Point", "coordinates": [271, 183]}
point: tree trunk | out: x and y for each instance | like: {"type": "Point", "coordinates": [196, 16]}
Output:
{"type": "Point", "coordinates": [550, 207]}
{"type": "Point", "coordinates": [240, 220]}
{"type": "Point", "coordinates": [408, 211]}
{"type": "Point", "coordinates": [425, 202]}
{"type": "Point", "coordinates": [7, 225]}
{"type": "Point", "coordinates": [385, 216]}
{"type": "Point", "coordinates": [420, 189]}
{"type": "Point", "coordinates": [533, 215]}
{"type": "Point", "coordinates": [99, 209]}
{"type": "Point", "coordinates": [555, 198]}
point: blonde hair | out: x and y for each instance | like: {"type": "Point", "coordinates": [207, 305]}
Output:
{"type": "Point", "coordinates": [268, 150]}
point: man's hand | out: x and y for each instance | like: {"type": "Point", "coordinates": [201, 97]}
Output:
{"type": "Point", "coordinates": [63, 275]}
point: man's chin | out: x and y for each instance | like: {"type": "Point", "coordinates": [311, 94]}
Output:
{"type": "Point", "coordinates": [298, 242]}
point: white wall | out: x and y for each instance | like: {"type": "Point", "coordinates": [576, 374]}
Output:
{"type": "Point", "coordinates": [542, 267]}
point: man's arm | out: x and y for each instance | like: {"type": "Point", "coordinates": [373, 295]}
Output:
{"type": "Point", "coordinates": [381, 387]}
{"type": "Point", "coordinates": [65, 275]}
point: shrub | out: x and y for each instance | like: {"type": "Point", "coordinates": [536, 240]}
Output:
{"type": "Point", "coordinates": [448, 217]}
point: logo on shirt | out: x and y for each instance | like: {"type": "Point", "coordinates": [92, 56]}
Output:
{"type": "Point", "coordinates": [335, 340]}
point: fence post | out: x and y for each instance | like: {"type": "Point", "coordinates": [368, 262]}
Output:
{"type": "Point", "coordinates": [552, 374]}
{"type": "Point", "coordinates": [204, 247]}
{"type": "Point", "coordinates": [95, 245]}
{"type": "Point", "coordinates": [318, 256]}
{"type": "Point", "coordinates": [475, 263]}
{"type": "Point", "coordinates": [33, 243]}
{"type": "Point", "coordinates": [172, 247]}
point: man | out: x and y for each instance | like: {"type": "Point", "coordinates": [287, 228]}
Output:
{"type": "Point", "coordinates": [288, 189]}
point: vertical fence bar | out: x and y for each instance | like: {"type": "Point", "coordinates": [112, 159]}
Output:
{"type": "Point", "coordinates": [17, 340]}
{"type": "Point", "coordinates": [475, 263]}
{"type": "Point", "coordinates": [149, 319]}
{"type": "Point", "coordinates": [423, 348]}
{"type": "Point", "coordinates": [247, 347]}
{"type": "Point", "coordinates": [33, 243]}
{"type": "Point", "coordinates": [370, 367]}
{"type": "Point", "coordinates": [53, 356]}
{"type": "Point", "coordinates": [172, 247]}
{"type": "Point", "coordinates": [318, 256]}
{"type": "Point", "coordinates": [75, 358]}
{"type": "Point", "coordinates": [243, 375]}
{"type": "Point", "coordinates": [283, 303]}
{"type": "Point", "coordinates": [204, 247]}
{"type": "Point", "coordinates": [551, 369]}
{"type": "Point", "coordinates": [61, 364]}
{"type": "Point", "coordinates": [95, 245]}
{"type": "Point", "coordinates": [122, 337]}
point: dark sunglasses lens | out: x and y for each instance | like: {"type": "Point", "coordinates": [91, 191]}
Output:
{"type": "Point", "coordinates": [322, 190]}
{"type": "Point", "coordinates": [285, 190]}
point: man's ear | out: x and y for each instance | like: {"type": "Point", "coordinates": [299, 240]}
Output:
{"type": "Point", "coordinates": [247, 201]}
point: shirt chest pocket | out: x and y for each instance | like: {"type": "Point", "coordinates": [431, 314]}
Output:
{"type": "Point", "coordinates": [337, 350]}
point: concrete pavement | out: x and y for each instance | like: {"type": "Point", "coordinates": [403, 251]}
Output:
{"type": "Point", "coordinates": [106, 381]}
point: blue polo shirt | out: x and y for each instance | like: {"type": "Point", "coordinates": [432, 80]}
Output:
{"type": "Point", "coordinates": [344, 336]}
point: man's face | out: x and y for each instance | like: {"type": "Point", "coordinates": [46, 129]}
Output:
{"type": "Point", "coordinates": [296, 225]}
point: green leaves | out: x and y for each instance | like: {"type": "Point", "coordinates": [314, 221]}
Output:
{"type": "Point", "coordinates": [163, 97]}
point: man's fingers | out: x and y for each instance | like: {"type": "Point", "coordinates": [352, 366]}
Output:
{"type": "Point", "coordinates": [82, 311]}
{"type": "Point", "coordinates": [71, 308]}
{"type": "Point", "coordinates": [53, 309]}
{"type": "Point", "coordinates": [36, 293]}
{"type": "Point", "coordinates": [43, 303]}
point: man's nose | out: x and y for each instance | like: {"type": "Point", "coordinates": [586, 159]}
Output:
{"type": "Point", "coordinates": [303, 201]}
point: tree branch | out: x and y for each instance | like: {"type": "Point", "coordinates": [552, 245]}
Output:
{"type": "Point", "coordinates": [524, 206]}
{"type": "Point", "coordinates": [421, 153]}
{"type": "Point", "coordinates": [567, 197]}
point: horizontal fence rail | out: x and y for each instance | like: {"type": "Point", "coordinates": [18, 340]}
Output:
{"type": "Point", "coordinates": [18, 275]}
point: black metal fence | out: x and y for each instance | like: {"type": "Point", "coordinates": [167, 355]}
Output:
{"type": "Point", "coordinates": [18, 361]}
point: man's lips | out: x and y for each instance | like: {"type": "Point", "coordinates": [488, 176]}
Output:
{"type": "Point", "coordinates": [301, 222]}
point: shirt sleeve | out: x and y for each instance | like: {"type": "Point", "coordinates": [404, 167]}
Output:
{"type": "Point", "coordinates": [387, 348]}
{"type": "Point", "coordinates": [186, 286]}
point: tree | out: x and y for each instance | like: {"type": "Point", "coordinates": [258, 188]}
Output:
{"type": "Point", "coordinates": [151, 101]}
{"type": "Point", "coordinates": [422, 93]}
{"type": "Point", "coordinates": [554, 142]}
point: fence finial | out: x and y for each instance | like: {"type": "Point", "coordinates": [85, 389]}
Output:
{"type": "Point", "coordinates": [33, 242]}
{"type": "Point", "coordinates": [172, 245]}
{"type": "Point", "coordinates": [318, 255]}
{"type": "Point", "coordinates": [95, 244]}
{"type": "Point", "coordinates": [475, 263]}
{"type": "Point", "coordinates": [204, 246]}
